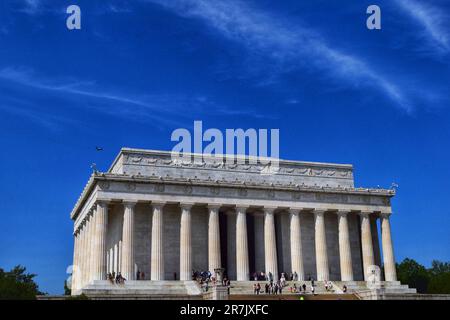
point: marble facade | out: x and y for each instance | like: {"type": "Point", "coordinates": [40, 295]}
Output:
{"type": "Point", "coordinates": [167, 217]}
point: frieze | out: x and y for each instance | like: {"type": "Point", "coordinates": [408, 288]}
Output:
{"type": "Point", "coordinates": [244, 191]}
{"type": "Point", "coordinates": [297, 170]}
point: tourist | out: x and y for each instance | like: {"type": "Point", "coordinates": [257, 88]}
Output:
{"type": "Point", "coordinates": [344, 288]}
{"type": "Point", "coordinates": [294, 288]}
{"type": "Point", "coordinates": [119, 278]}
{"type": "Point", "coordinates": [138, 275]}
{"type": "Point", "coordinates": [312, 289]}
{"type": "Point", "coordinates": [304, 287]}
{"type": "Point", "coordinates": [254, 288]}
{"type": "Point", "coordinates": [142, 275]}
{"type": "Point", "coordinates": [258, 288]}
{"type": "Point", "coordinates": [282, 280]}
{"type": "Point", "coordinates": [110, 277]}
{"type": "Point", "coordinates": [267, 287]}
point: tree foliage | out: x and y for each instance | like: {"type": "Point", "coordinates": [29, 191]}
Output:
{"type": "Point", "coordinates": [17, 284]}
{"type": "Point", "coordinates": [67, 290]}
{"type": "Point", "coordinates": [433, 280]}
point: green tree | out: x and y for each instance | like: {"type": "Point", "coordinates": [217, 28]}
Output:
{"type": "Point", "coordinates": [415, 275]}
{"type": "Point", "coordinates": [439, 277]}
{"type": "Point", "coordinates": [438, 267]}
{"type": "Point", "coordinates": [17, 284]}
{"type": "Point", "coordinates": [67, 290]}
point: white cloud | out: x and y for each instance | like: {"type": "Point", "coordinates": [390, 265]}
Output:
{"type": "Point", "coordinates": [160, 109]}
{"type": "Point", "coordinates": [290, 45]}
{"type": "Point", "coordinates": [31, 6]}
{"type": "Point", "coordinates": [434, 20]}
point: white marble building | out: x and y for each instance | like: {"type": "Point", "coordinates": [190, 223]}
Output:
{"type": "Point", "coordinates": [166, 218]}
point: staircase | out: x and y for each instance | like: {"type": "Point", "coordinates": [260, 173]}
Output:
{"type": "Point", "coordinates": [387, 286]}
{"type": "Point", "coordinates": [142, 289]}
{"type": "Point", "coordinates": [246, 287]}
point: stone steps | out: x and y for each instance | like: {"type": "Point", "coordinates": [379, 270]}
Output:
{"type": "Point", "coordinates": [388, 286]}
{"type": "Point", "coordinates": [246, 287]}
{"type": "Point", "coordinates": [142, 288]}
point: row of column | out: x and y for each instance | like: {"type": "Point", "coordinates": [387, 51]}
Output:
{"type": "Point", "coordinates": [90, 247]}
{"type": "Point", "coordinates": [90, 244]}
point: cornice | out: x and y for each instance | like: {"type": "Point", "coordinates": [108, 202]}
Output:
{"type": "Point", "coordinates": [107, 178]}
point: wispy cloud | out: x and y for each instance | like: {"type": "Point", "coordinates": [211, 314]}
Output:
{"type": "Point", "coordinates": [52, 122]}
{"type": "Point", "coordinates": [111, 103]}
{"type": "Point", "coordinates": [159, 109]}
{"type": "Point", "coordinates": [31, 6]}
{"type": "Point", "coordinates": [292, 46]}
{"type": "Point", "coordinates": [434, 21]}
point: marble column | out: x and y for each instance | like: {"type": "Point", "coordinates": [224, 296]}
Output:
{"type": "Point", "coordinates": [323, 272]}
{"type": "Point", "coordinates": [81, 256]}
{"type": "Point", "coordinates": [92, 246]}
{"type": "Point", "coordinates": [213, 238]}
{"type": "Point", "coordinates": [89, 259]}
{"type": "Point", "coordinates": [270, 244]}
{"type": "Point", "coordinates": [101, 221]}
{"type": "Point", "coordinates": [75, 268]}
{"type": "Point", "coordinates": [390, 274]}
{"type": "Point", "coordinates": [185, 243]}
{"type": "Point", "coordinates": [83, 253]}
{"type": "Point", "coordinates": [127, 261]}
{"type": "Point", "coordinates": [296, 244]}
{"type": "Point", "coordinates": [366, 243]}
{"type": "Point", "coordinates": [157, 259]}
{"type": "Point", "coordinates": [345, 255]}
{"type": "Point", "coordinates": [242, 263]}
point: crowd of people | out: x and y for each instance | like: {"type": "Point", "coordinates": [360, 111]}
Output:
{"type": "Point", "coordinates": [262, 276]}
{"type": "Point", "coordinates": [277, 287]}
{"type": "Point", "coordinates": [117, 279]}
{"type": "Point", "coordinates": [205, 279]}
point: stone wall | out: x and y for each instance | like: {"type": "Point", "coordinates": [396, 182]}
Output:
{"type": "Point", "coordinates": [172, 216]}
{"type": "Point", "coordinates": [355, 246]}
{"type": "Point", "coordinates": [143, 238]}
{"type": "Point", "coordinates": [308, 245]}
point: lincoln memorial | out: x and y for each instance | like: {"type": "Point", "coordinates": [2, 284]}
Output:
{"type": "Point", "coordinates": [164, 217]}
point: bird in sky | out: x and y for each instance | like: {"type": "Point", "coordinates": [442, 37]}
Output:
{"type": "Point", "coordinates": [99, 148]}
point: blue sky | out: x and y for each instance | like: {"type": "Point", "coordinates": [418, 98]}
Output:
{"type": "Point", "coordinates": [140, 69]}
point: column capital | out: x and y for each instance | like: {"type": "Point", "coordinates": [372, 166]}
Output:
{"type": "Point", "coordinates": [269, 210]}
{"type": "Point", "coordinates": [158, 204]}
{"type": "Point", "coordinates": [365, 213]}
{"type": "Point", "coordinates": [319, 212]}
{"type": "Point", "coordinates": [129, 204]}
{"type": "Point", "coordinates": [213, 206]}
{"type": "Point", "coordinates": [242, 209]}
{"type": "Point", "coordinates": [186, 206]}
{"type": "Point", "coordinates": [385, 215]}
{"type": "Point", "coordinates": [102, 203]}
{"type": "Point", "coordinates": [342, 213]}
